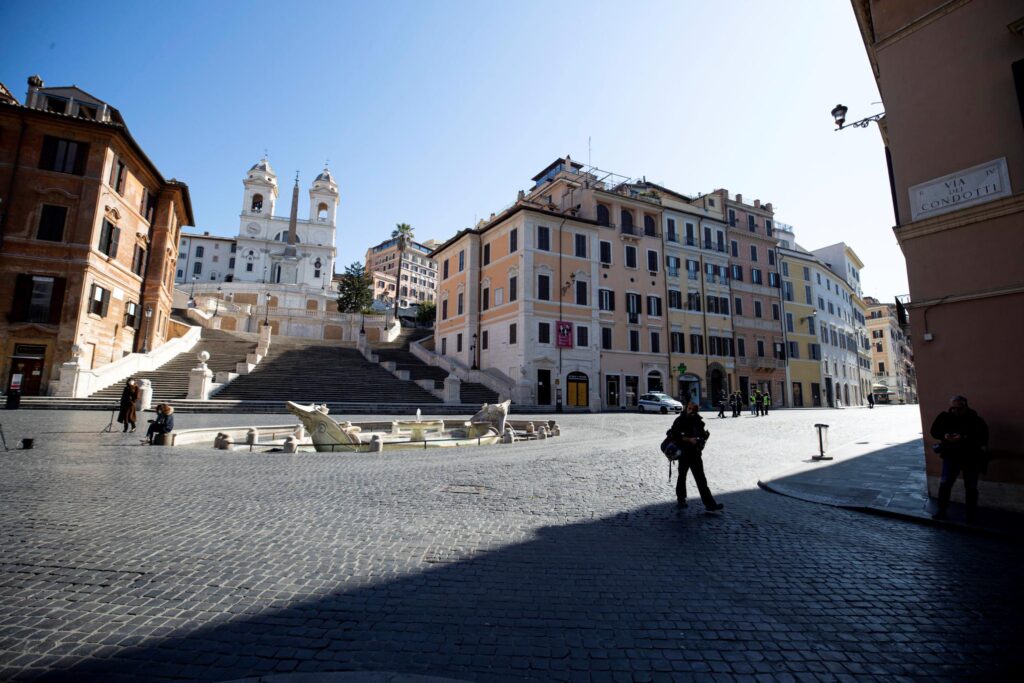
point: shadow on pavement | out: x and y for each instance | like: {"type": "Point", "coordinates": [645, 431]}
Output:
{"type": "Point", "coordinates": [768, 586]}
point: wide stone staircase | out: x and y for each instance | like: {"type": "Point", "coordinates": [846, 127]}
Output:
{"type": "Point", "coordinates": [170, 381]}
{"type": "Point", "coordinates": [312, 373]}
{"type": "Point", "coordinates": [403, 358]}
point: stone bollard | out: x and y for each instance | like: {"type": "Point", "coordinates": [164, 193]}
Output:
{"type": "Point", "coordinates": [509, 436]}
{"type": "Point", "coordinates": [376, 444]}
{"type": "Point", "coordinates": [543, 433]}
{"type": "Point", "coordinates": [145, 401]}
{"type": "Point", "coordinates": [200, 379]}
{"type": "Point", "coordinates": [290, 445]}
{"type": "Point", "coordinates": [530, 429]}
{"type": "Point", "coordinates": [452, 389]}
{"type": "Point", "coordinates": [300, 432]}
{"type": "Point", "coordinates": [252, 438]}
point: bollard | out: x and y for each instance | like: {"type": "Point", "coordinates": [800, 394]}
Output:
{"type": "Point", "coordinates": [822, 442]}
{"type": "Point", "coordinates": [290, 445]}
{"type": "Point", "coordinates": [252, 437]}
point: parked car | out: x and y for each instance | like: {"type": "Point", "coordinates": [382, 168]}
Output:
{"type": "Point", "coordinates": [659, 402]}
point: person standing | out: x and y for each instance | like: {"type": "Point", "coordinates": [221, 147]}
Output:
{"type": "Point", "coordinates": [754, 396]}
{"type": "Point", "coordinates": [126, 414]}
{"type": "Point", "coordinates": [766, 402]}
{"type": "Point", "coordinates": [688, 433]}
{"type": "Point", "coordinates": [963, 437]}
{"type": "Point", "coordinates": [871, 401]}
{"type": "Point", "coordinates": [721, 405]}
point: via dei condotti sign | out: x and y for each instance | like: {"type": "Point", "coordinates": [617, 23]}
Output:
{"type": "Point", "coordinates": [975, 185]}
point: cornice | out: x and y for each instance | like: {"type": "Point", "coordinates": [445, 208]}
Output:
{"type": "Point", "coordinates": [962, 218]}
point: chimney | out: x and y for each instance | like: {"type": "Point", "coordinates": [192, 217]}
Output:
{"type": "Point", "coordinates": [768, 207]}
{"type": "Point", "coordinates": [34, 83]}
{"type": "Point", "coordinates": [757, 203]}
{"type": "Point", "coordinates": [521, 196]}
{"type": "Point", "coordinates": [739, 199]}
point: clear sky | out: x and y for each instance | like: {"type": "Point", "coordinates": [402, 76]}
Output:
{"type": "Point", "coordinates": [436, 113]}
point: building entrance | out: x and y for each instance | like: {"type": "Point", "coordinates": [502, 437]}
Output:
{"type": "Point", "coordinates": [26, 375]}
{"type": "Point", "coordinates": [611, 391]}
{"type": "Point", "coordinates": [577, 386]}
{"type": "Point", "coordinates": [543, 387]}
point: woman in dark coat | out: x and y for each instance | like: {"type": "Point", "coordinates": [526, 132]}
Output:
{"type": "Point", "coordinates": [688, 434]}
{"type": "Point", "coordinates": [963, 437]}
{"type": "Point", "coordinates": [128, 399]}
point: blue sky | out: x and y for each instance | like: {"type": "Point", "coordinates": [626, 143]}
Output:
{"type": "Point", "coordinates": [436, 113]}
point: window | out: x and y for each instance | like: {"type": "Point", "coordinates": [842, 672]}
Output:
{"type": "Point", "coordinates": [771, 261]}
{"type": "Point", "coordinates": [671, 230]}
{"type": "Point", "coordinates": [197, 268]}
{"type": "Point", "coordinates": [444, 346]}
{"type": "Point", "coordinates": [768, 227]}
{"type": "Point", "coordinates": [632, 306]}
{"type": "Point", "coordinates": [606, 252]}
{"type": "Point", "coordinates": [634, 340]}
{"type": "Point", "coordinates": [138, 260]}
{"type": "Point", "coordinates": [602, 215]}
{"type": "Point", "coordinates": [543, 333]}
{"type": "Point", "coordinates": [248, 267]}
{"type": "Point", "coordinates": [444, 309]}
{"type": "Point", "coordinates": [543, 238]}
{"type": "Point", "coordinates": [199, 252]}
{"type": "Point", "coordinates": [118, 176]}
{"type": "Point", "coordinates": [757, 309]}
{"type": "Point", "coordinates": [741, 347]}
{"type": "Point", "coordinates": [712, 302]}
{"type": "Point", "coordinates": [581, 246]}
{"type": "Point", "coordinates": [697, 344]}
{"type": "Point", "coordinates": [807, 274]}
{"type": "Point", "coordinates": [485, 298]}
{"type": "Point", "coordinates": [672, 264]}
{"type": "Point", "coordinates": [693, 301]}
{"type": "Point", "coordinates": [513, 288]}
{"type": "Point", "coordinates": [626, 220]}
{"type": "Point", "coordinates": [785, 268]}
{"type": "Point", "coordinates": [606, 338]}
{"type": "Point", "coordinates": [723, 305]}
{"type": "Point", "coordinates": [63, 156]}
{"type": "Point", "coordinates": [131, 314]}
{"type": "Point", "coordinates": [582, 336]}
{"type": "Point", "coordinates": [652, 260]}
{"type": "Point", "coordinates": [789, 323]}
{"type": "Point", "coordinates": [720, 241]}
{"type": "Point", "coordinates": [581, 293]}
{"type": "Point", "coordinates": [446, 269]}
{"type": "Point", "coordinates": [755, 276]}
{"type": "Point", "coordinates": [737, 272]}
{"type": "Point", "coordinates": [775, 311]}
{"type": "Point", "coordinates": [760, 348]}
{"type": "Point", "coordinates": [734, 248]}
{"type": "Point", "coordinates": [881, 368]}
{"type": "Point", "coordinates": [787, 290]}
{"type": "Point", "coordinates": [99, 301]}
{"type": "Point", "coordinates": [808, 299]}
{"type": "Point", "coordinates": [690, 239]}
{"type": "Point", "coordinates": [773, 279]}
{"type": "Point", "coordinates": [814, 351]}
{"type": "Point", "coordinates": [732, 219]}
{"type": "Point", "coordinates": [707, 237]}
{"type": "Point", "coordinates": [675, 340]}
{"type": "Point", "coordinates": [513, 240]}
{"type": "Point", "coordinates": [51, 223]}
{"type": "Point", "coordinates": [606, 299]}
{"type": "Point", "coordinates": [487, 254]}
{"type": "Point", "coordinates": [231, 264]}
{"type": "Point", "coordinates": [675, 299]}
{"type": "Point", "coordinates": [630, 256]}
{"type": "Point", "coordinates": [654, 306]}
{"type": "Point", "coordinates": [544, 287]}
{"type": "Point", "coordinates": [110, 236]}
{"type": "Point", "coordinates": [459, 301]}
{"type": "Point", "coordinates": [462, 261]}
{"type": "Point", "coordinates": [483, 340]}
{"type": "Point", "coordinates": [751, 225]}
{"type": "Point", "coordinates": [737, 306]}
{"type": "Point", "coordinates": [458, 343]}
{"type": "Point", "coordinates": [37, 299]}
{"type": "Point", "coordinates": [655, 342]}
{"type": "Point", "coordinates": [753, 252]}
{"type": "Point", "coordinates": [794, 349]}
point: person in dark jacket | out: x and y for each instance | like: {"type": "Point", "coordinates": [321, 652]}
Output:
{"type": "Point", "coordinates": [163, 424]}
{"type": "Point", "coordinates": [129, 397]}
{"type": "Point", "coordinates": [963, 437]}
{"type": "Point", "coordinates": [689, 435]}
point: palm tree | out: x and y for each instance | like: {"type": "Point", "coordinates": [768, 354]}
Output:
{"type": "Point", "coordinates": [402, 234]}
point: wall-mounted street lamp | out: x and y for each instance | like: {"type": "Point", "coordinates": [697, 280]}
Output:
{"type": "Point", "coordinates": [808, 317]}
{"type": "Point", "coordinates": [472, 351]}
{"type": "Point", "coordinates": [148, 313]}
{"type": "Point", "coordinates": [266, 315]}
{"type": "Point", "coordinates": [839, 114]}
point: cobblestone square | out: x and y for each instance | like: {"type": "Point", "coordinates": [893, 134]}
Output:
{"type": "Point", "coordinates": [551, 560]}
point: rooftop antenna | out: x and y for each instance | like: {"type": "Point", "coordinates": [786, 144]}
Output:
{"type": "Point", "coordinates": [590, 162]}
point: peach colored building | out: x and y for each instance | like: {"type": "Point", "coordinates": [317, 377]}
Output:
{"type": "Point", "coordinates": [88, 237]}
{"type": "Point", "coordinates": [756, 299]}
{"type": "Point", "coordinates": [419, 271]}
{"type": "Point", "coordinates": [955, 140]}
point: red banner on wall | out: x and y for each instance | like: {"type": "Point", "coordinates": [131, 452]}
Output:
{"type": "Point", "coordinates": [563, 339]}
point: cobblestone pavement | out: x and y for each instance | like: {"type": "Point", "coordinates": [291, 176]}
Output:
{"type": "Point", "coordinates": [550, 560]}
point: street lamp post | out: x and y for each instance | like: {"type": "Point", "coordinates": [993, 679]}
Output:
{"type": "Point", "coordinates": [145, 328]}
{"type": "Point", "coordinates": [266, 315]}
{"type": "Point", "coordinates": [472, 351]}
{"type": "Point", "coordinates": [192, 295]}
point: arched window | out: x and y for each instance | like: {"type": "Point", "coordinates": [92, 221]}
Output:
{"type": "Point", "coordinates": [321, 212]}
{"type": "Point", "coordinates": [602, 215]}
{"type": "Point", "coordinates": [257, 203]}
{"type": "Point", "coordinates": [626, 218]}
{"type": "Point", "coordinates": [649, 225]}
{"type": "Point", "coordinates": [283, 237]}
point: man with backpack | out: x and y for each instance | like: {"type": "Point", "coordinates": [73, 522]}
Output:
{"type": "Point", "coordinates": [689, 436]}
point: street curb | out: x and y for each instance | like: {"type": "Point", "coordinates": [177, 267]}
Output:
{"type": "Point", "coordinates": [894, 514]}
{"type": "Point", "coordinates": [346, 677]}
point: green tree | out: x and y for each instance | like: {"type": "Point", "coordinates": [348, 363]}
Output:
{"type": "Point", "coordinates": [402, 234]}
{"type": "Point", "coordinates": [427, 313]}
{"type": "Point", "coordinates": [355, 289]}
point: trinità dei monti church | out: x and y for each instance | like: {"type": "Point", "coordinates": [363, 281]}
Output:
{"type": "Point", "coordinates": [276, 269]}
